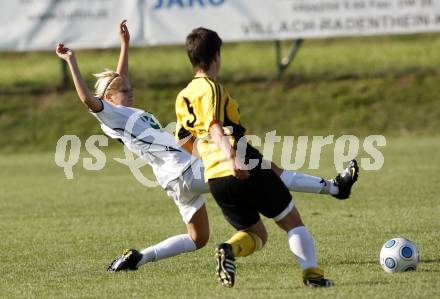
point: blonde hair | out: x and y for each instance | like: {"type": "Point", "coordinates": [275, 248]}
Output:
{"type": "Point", "coordinates": [107, 80]}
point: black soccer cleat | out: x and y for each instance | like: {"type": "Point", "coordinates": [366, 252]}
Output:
{"type": "Point", "coordinates": [127, 261]}
{"type": "Point", "coordinates": [346, 179]}
{"type": "Point", "coordinates": [318, 283]}
{"type": "Point", "coordinates": [225, 264]}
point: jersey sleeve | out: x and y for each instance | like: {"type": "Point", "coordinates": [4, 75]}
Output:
{"type": "Point", "coordinates": [213, 105]}
{"type": "Point", "coordinates": [108, 115]}
{"type": "Point", "coordinates": [181, 117]}
{"type": "Point", "coordinates": [181, 132]}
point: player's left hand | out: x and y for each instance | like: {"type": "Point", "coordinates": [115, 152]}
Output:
{"type": "Point", "coordinates": [124, 35]}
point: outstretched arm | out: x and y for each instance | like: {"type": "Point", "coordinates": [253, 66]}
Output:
{"type": "Point", "coordinates": [83, 91]}
{"type": "Point", "coordinates": [124, 36]}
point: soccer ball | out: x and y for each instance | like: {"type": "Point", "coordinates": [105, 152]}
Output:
{"type": "Point", "coordinates": [399, 255]}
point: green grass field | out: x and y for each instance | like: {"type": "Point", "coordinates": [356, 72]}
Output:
{"type": "Point", "coordinates": [58, 235]}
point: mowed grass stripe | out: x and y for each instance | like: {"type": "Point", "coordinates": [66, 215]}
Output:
{"type": "Point", "coordinates": [59, 235]}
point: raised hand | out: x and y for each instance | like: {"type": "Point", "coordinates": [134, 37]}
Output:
{"type": "Point", "coordinates": [124, 35]}
{"type": "Point", "coordinates": [63, 52]}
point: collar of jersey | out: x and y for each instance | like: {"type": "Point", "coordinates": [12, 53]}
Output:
{"type": "Point", "coordinates": [203, 76]}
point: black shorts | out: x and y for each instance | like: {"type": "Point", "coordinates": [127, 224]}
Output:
{"type": "Point", "coordinates": [242, 201]}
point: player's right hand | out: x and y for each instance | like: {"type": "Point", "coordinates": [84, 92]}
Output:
{"type": "Point", "coordinates": [239, 170]}
{"type": "Point", "coordinates": [63, 52]}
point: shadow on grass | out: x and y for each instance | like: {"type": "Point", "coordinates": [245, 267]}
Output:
{"type": "Point", "coordinates": [428, 263]}
{"type": "Point", "coordinates": [428, 270]}
{"type": "Point", "coordinates": [375, 263]}
{"type": "Point", "coordinates": [372, 263]}
{"type": "Point", "coordinates": [367, 282]}
{"type": "Point", "coordinates": [276, 288]}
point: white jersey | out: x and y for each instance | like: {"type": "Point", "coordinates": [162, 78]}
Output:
{"type": "Point", "coordinates": [142, 134]}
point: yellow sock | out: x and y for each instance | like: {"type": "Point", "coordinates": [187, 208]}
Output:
{"type": "Point", "coordinates": [313, 273]}
{"type": "Point", "coordinates": [245, 243]}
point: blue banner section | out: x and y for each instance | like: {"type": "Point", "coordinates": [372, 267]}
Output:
{"type": "Point", "coordinates": [186, 4]}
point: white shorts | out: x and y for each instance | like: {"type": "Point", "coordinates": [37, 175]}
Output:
{"type": "Point", "coordinates": [187, 190]}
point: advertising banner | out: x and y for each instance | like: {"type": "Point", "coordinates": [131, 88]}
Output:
{"type": "Point", "coordinates": [40, 24]}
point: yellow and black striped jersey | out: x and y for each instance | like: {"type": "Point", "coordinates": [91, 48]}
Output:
{"type": "Point", "coordinates": [197, 106]}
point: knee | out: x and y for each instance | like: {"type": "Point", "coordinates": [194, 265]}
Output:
{"type": "Point", "coordinates": [290, 221]}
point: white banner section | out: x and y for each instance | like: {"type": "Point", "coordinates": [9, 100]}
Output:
{"type": "Point", "coordinates": [40, 24]}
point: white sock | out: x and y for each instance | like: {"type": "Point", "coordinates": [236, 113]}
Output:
{"type": "Point", "coordinates": [332, 188]}
{"type": "Point", "coordinates": [300, 182]}
{"type": "Point", "coordinates": [167, 248]}
{"type": "Point", "coordinates": [301, 244]}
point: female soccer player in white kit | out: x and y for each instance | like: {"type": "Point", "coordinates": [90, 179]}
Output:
{"type": "Point", "coordinates": [175, 169]}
